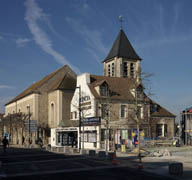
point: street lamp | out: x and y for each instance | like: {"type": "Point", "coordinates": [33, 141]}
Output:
{"type": "Point", "coordinates": [28, 109]}
{"type": "Point", "coordinates": [79, 87]}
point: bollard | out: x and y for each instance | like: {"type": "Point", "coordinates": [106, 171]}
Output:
{"type": "Point", "coordinates": [176, 168]}
{"type": "Point", "coordinates": [92, 153]}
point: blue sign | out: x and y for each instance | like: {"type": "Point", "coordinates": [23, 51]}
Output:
{"type": "Point", "coordinates": [6, 135]}
{"type": "Point", "coordinates": [91, 121]}
{"type": "Point", "coordinates": [31, 125]}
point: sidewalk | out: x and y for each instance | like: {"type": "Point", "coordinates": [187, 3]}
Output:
{"type": "Point", "coordinates": [157, 165]}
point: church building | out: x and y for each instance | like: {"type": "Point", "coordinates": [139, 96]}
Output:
{"type": "Point", "coordinates": [111, 106]}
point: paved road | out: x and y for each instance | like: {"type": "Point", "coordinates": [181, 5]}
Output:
{"type": "Point", "coordinates": [39, 164]}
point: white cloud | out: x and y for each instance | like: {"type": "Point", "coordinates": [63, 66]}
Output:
{"type": "Point", "coordinates": [92, 37]}
{"type": "Point", "coordinates": [22, 41]}
{"type": "Point", "coordinates": [34, 14]}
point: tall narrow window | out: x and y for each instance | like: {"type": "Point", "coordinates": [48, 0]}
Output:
{"type": "Point", "coordinates": [113, 70]}
{"type": "Point", "coordinates": [104, 112]}
{"type": "Point", "coordinates": [109, 70]}
{"type": "Point", "coordinates": [159, 130]}
{"type": "Point", "coordinates": [132, 70]}
{"type": "Point", "coordinates": [139, 92]}
{"type": "Point", "coordinates": [75, 114]}
{"type": "Point", "coordinates": [103, 90]}
{"type": "Point", "coordinates": [123, 110]}
{"type": "Point", "coordinates": [125, 69]}
{"type": "Point", "coordinates": [140, 112]}
{"type": "Point", "coordinates": [52, 113]}
{"type": "Point", "coordinates": [71, 115]}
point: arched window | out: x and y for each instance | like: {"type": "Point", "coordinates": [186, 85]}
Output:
{"type": "Point", "coordinates": [52, 113]}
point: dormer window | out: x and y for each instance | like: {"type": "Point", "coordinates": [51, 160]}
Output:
{"type": "Point", "coordinates": [104, 90]}
{"type": "Point", "coordinates": [139, 92]}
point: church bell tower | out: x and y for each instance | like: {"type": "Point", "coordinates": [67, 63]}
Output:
{"type": "Point", "coordinates": [122, 60]}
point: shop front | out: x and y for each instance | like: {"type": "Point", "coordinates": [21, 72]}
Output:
{"type": "Point", "coordinates": [90, 136]}
{"type": "Point", "coordinates": [64, 136]}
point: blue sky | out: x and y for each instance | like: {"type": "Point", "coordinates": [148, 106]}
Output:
{"type": "Point", "coordinates": [39, 36]}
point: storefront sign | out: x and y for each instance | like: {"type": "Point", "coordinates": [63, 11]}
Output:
{"type": "Point", "coordinates": [67, 129]}
{"type": "Point", "coordinates": [91, 121]}
{"type": "Point", "coordinates": [85, 98]}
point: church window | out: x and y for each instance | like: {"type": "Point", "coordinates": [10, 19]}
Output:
{"type": "Point", "coordinates": [52, 113]}
{"type": "Point", "coordinates": [113, 70]}
{"type": "Point", "coordinates": [125, 69]}
{"type": "Point", "coordinates": [132, 70]}
{"type": "Point", "coordinates": [109, 70]}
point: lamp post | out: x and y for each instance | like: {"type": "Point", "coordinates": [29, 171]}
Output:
{"type": "Point", "coordinates": [79, 87]}
{"type": "Point", "coordinates": [28, 108]}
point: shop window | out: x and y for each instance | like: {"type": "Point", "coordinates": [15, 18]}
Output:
{"type": "Point", "coordinates": [129, 134]}
{"type": "Point", "coordinates": [89, 136]}
{"type": "Point", "coordinates": [123, 111]}
{"type": "Point", "coordinates": [124, 134]}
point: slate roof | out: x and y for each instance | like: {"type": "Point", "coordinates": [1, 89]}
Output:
{"type": "Point", "coordinates": [34, 88]}
{"type": "Point", "coordinates": [120, 90]}
{"type": "Point", "coordinates": [119, 87]}
{"type": "Point", "coordinates": [122, 48]}
{"type": "Point", "coordinates": [65, 82]}
{"type": "Point", "coordinates": [160, 111]}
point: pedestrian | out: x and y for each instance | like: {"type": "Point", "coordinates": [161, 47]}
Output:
{"type": "Point", "coordinates": [23, 140]}
{"type": "Point", "coordinates": [5, 143]}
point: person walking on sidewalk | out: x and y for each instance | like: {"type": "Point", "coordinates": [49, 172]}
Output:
{"type": "Point", "coordinates": [5, 143]}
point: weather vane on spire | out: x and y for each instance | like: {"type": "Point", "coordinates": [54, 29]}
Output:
{"type": "Point", "coordinates": [121, 21]}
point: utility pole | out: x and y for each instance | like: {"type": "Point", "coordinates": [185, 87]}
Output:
{"type": "Point", "coordinates": [137, 120]}
{"type": "Point", "coordinates": [79, 87]}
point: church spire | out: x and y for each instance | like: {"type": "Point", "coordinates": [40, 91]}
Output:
{"type": "Point", "coordinates": [121, 21]}
{"type": "Point", "coordinates": [122, 60]}
{"type": "Point", "coordinates": [122, 48]}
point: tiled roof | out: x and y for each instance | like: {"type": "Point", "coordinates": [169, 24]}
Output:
{"type": "Point", "coordinates": [119, 87]}
{"type": "Point", "coordinates": [160, 111]}
{"type": "Point", "coordinates": [120, 90]}
{"type": "Point", "coordinates": [34, 87]}
{"type": "Point", "coordinates": [65, 82]}
{"type": "Point", "coordinates": [122, 48]}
